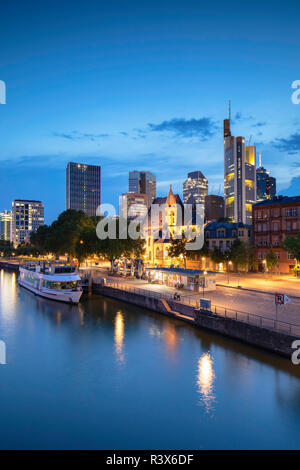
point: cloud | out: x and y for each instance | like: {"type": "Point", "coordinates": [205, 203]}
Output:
{"type": "Point", "coordinates": [294, 188]}
{"type": "Point", "coordinates": [290, 145]}
{"type": "Point", "coordinates": [202, 128]}
{"type": "Point", "coordinates": [75, 135]}
{"type": "Point", "coordinates": [259, 124]}
{"type": "Point", "coordinates": [240, 117]}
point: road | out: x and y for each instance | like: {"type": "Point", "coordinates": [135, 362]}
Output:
{"type": "Point", "coordinates": [263, 282]}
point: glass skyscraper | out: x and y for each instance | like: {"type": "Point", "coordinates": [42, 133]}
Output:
{"type": "Point", "coordinates": [83, 187]}
{"type": "Point", "coordinates": [5, 225]}
{"type": "Point", "coordinates": [143, 182]}
{"type": "Point", "coordinates": [27, 216]}
{"type": "Point", "coordinates": [195, 188]}
{"type": "Point", "coordinates": [265, 184]}
{"type": "Point", "coordinates": [239, 177]}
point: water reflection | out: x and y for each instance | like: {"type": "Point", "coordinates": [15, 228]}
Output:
{"type": "Point", "coordinates": [205, 382]}
{"type": "Point", "coordinates": [119, 336]}
{"type": "Point", "coordinates": [171, 338]}
{"type": "Point", "coordinates": [8, 297]}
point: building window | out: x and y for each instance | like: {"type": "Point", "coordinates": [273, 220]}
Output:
{"type": "Point", "coordinates": [294, 212]}
{"type": "Point", "coordinates": [288, 212]}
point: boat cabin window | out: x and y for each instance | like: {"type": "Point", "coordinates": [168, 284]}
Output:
{"type": "Point", "coordinates": [56, 285]}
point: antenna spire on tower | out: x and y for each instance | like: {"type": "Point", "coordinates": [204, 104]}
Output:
{"type": "Point", "coordinates": [259, 159]}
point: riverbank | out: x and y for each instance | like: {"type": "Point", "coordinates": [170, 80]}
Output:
{"type": "Point", "coordinates": [269, 334]}
{"type": "Point", "coordinates": [268, 338]}
{"type": "Point", "coordinates": [10, 266]}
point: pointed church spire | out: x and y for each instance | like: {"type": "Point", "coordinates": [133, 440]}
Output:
{"type": "Point", "coordinates": [171, 200]}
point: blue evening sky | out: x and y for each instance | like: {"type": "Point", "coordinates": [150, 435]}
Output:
{"type": "Point", "coordinates": [144, 85]}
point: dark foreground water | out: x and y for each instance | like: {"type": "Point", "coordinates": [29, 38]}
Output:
{"type": "Point", "coordinates": [112, 376]}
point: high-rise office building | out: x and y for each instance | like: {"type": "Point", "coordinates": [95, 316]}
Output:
{"type": "Point", "coordinates": [83, 187]}
{"type": "Point", "coordinates": [132, 205]}
{"type": "Point", "coordinates": [5, 225]}
{"type": "Point", "coordinates": [143, 182]}
{"type": "Point", "coordinates": [265, 184]}
{"type": "Point", "coordinates": [214, 207]}
{"type": "Point", "coordinates": [27, 216]}
{"type": "Point", "coordinates": [239, 177]}
{"type": "Point", "coordinates": [195, 188]}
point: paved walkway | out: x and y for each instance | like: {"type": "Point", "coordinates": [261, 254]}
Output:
{"type": "Point", "coordinates": [285, 284]}
{"type": "Point", "coordinates": [259, 304]}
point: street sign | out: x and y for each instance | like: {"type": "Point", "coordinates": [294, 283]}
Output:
{"type": "Point", "coordinates": [282, 299]}
{"type": "Point", "coordinates": [205, 304]}
{"type": "Point", "coordinates": [279, 299]}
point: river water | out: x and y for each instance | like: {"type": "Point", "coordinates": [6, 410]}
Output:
{"type": "Point", "coordinates": [108, 375]}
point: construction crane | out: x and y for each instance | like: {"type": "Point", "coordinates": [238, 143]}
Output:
{"type": "Point", "coordinates": [249, 140]}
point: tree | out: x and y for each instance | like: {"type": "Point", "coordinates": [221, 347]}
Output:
{"type": "Point", "coordinates": [39, 238]}
{"type": "Point", "coordinates": [177, 248]}
{"type": "Point", "coordinates": [65, 232]}
{"type": "Point", "coordinates": [292, 246]}
{"type": "Point", "coordinates": [239, 253]}
{"type": "Point", "coordinates": [6, 248]}
{"type": "Point", "coordinates": [271, 260]}
{"type": "Point", "coordinates": [217, 255]}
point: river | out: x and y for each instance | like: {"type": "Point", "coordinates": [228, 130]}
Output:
{"type": "Point", "coordinates": [109, 375]}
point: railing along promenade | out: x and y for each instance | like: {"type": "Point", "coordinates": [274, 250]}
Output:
{"type": "Point", "coordinates": [234, 314]}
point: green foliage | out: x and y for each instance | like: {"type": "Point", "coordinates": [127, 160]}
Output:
{"type": "Point", "coordinates": [271, 260]}
{"type": "Point", "coordinates": [65, 232]}
{"type": "Point", "coordinates": [241, 254]}
{"type": "Point", "coordinates": [177, 247]}
{"type": "Point", "coordinates": [6, 248]}
{"type": "Point", "coordinates": [217, 255]}
{"type": "Point", "coordinates": [292, 246]}
{"type": "Point", "coordinates": [39, 238]}
{"type": "Point", "coordinates": [74, 233]}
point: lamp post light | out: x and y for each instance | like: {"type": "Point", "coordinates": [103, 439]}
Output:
{"type": "Point", "coordinates": [203, 281]}
{"type": "Point", "coordinates": [265, 266]}
{"type": "Point", "coordinates": [228, 269]}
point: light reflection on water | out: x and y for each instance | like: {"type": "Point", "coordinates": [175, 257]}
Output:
{"type": "Point", "coordinates": [205, 382]}
{"type": "Point", "coordinates": [119, 336]}
{"type": "Point", "coordinates": [8, 296]}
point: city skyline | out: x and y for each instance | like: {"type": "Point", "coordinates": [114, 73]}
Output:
{"type": "Point", "coordinates": [144, 94]}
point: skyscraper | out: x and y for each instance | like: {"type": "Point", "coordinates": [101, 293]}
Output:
{"type": "Point", "coordinates": [214, 207]}
{"type": "Point", "coordinates": [27, 216]}
{"type": "Point", "coordinates": [239, 177]}
{"type": "Point", "coordinates": [265, 184]}
{"type": "Point", "coordinates": [132, 205]}
{"type": "Point", "coordinates": [195, 188]}
{"type": "Point", "coordinates": [83, 187]}
{"type": "Point", "coordinates": [143, 182]}
{"type": "Point", "coordinates": [5, 225]}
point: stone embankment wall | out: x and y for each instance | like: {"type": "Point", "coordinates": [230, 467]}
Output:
{"type": "Point", "coordinates": [271, 340]}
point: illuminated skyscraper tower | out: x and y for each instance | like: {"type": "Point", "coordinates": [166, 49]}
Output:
{"type": "Point", "coordinates": [239, 177]}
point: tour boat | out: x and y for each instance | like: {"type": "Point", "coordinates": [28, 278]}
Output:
{"type": "Point", "coordinates": [55, 281]}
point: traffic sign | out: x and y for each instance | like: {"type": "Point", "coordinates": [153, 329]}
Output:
{"type": "Point", "coordinates": [282, 299]}
{"type": "Point", "coordinates": [279, 299]}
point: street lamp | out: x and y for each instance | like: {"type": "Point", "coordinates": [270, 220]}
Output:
{"type": "Point", "coordinates": [228, 269]}
{"type": "Point", "coordinates": [203, 281]}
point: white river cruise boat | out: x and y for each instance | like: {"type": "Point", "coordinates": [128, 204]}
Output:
{"type": "Point", "coordinates": [52, 280]}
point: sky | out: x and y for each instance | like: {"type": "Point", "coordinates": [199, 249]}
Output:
{"type": "Point", "coordinates": [136, 85]}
